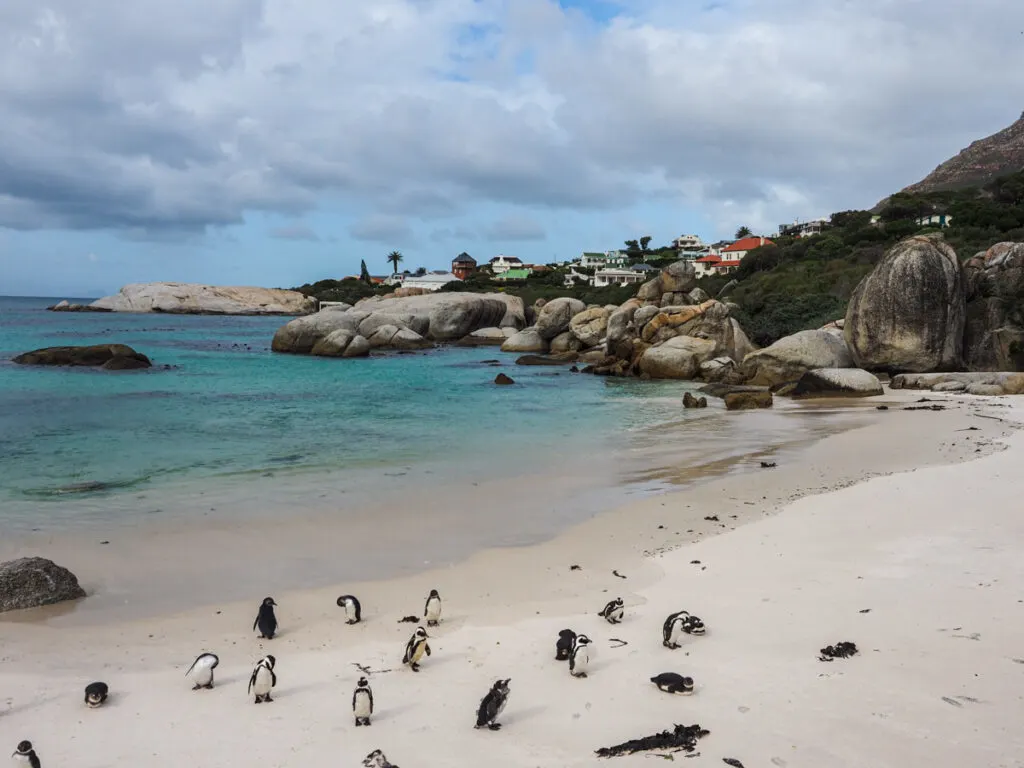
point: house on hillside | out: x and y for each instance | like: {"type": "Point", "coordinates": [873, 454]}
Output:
{"type": "Point", "coordinates": [804, 229]}
{"type": "Point", "coordinates": [500, 264]}
{"type": "Point", "coordinates": [713, 264]}
{"type": "Point", "coordinates": [612, 276]}
{"type": "Point", "coordinates": [740, 248]}
{"type": "Point", "coordinates": [429, 282]}
{"type": "Point", "coordinates": [512, 274]}
{"type": "Point", "coordinates": [688, 244]}
{"type": "Point", "coordinates": [591, 260]}
{"type": "Point", "coordinates": [463, 266]}
{"type": "Point", "coordinates": [941, 220]}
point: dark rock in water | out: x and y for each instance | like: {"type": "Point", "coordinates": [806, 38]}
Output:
{"type": "Point", "coordinates": [65, 306]}
{"type": "Point", "coordinates": [841, 650]}
{"type": "Point", "coordinates": [34, 581]}
{"type": "Point", "coordinates": [502, 379]}
{"type": "Point", "coordinates": [745, 401]}
{"type": "Point", "coordinates": [681, 737]}
{"type": "Point", "coordinates": [111, 357]}
{"type": "Point", "coordinates": [540, 360]}
{"type": "Point", "coordinates": [689, 401]}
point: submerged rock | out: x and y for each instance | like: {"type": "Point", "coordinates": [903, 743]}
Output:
{"type": "Point", "coordinates": [110, 357]}
{"type": "Point", "coordinates": [34, 581]}
{"type": "Point", "coordinates": [503, 380]}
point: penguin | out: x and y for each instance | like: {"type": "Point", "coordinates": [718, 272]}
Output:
{"type": "Point", "coordinates": [263, 679]}
{"type": "Point", "coordinates": [492, 704]}
{"type": "Point", "coordinates": [353, 610]}
{"type": "Point", "coordinates": [676, 625]}
{"type": "Point", "coordinates": [415, 649]}
{"type": "Point", "coordinates": [693, 626]}
{"type": "Point", "coordinates": [376, 759]}
{"type": "Point", "coordinates": [563, 647]}
{"type": "Point", "coordinates": [612, 612]}
{"type": "Point", "coordinates": [25, 756]}
{"type": "Point", "coordinates": [670, 682]}
{"type": "Point", "coordinates": [579, 660]}
{"type": "Point", "coordinates": [362, 702]}
{"type": "Point", "coordinates": [432, 609]}
{"type": "Point", "coordinates": [202, 670]}
{"type": "Point", "coordinates": [95, 694]}
{"type": "Point", "coordinates": [266, 620]}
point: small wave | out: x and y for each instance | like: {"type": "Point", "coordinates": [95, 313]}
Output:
{"type": "Point", "coordinates": [86, 487]}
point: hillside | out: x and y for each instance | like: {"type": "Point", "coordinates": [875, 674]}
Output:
{"type": "Point", "coordinates": [983, 161]}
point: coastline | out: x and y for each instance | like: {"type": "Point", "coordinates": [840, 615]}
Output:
{"type": "Point", "coordinates": [914, 544]}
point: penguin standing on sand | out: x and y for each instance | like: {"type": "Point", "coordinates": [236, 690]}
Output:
{"type": "Point", "coordinates": [415, 649]}
{"type": "Point", "coordinates": [670, 682]}
{"type": "Point", "coordinates": [263, 679]}
{"type": "Point", "coordinates": [362, 702]}
{"type": "Point", "coordinates": [612, 612]}
{"type": "Point", "coordinates": [202, 670]}
{"type": "Point", "coordinates": [353, 610]}
{"type": "Point", "coordinates": [676, 625]}
{"type": "Point", "coordinates": [432, 610]}
{"type": "Point", "coordinates": [563, 646]}
{"type": "Point", "coordinates": [492, 705]}
{"type": "Point", "coordinates": [95, 694]}
{"type": "Point", "coordinates": [25, 757]}
{"type": "Point", "coordinates": [266, 620]}
{"type": "Point", "coordinates": [579, 659]}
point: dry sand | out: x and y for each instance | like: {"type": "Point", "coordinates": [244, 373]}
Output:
{"type": "Point", "coordinates": [936, 552]}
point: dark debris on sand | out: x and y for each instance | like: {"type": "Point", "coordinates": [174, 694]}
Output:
{"type": "Point", "coordinates": [841, 650]}
{"type": "Point", "coordinates": [732, 761]}
{"type": "Point", "coordinates": [680, 738]}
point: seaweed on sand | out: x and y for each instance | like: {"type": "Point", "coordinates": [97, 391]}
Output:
{"type": "Point", "coordinates": [681, 737]}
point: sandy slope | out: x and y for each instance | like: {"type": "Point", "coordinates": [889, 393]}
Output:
{"type": "Point", "coordinates": [936, 554]}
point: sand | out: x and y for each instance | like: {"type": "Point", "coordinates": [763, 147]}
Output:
{"type": "Point", "coordinates": [933, 552]}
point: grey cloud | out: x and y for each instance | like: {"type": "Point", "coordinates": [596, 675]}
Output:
{"type": "Point", "coordinates": [516, 228]}
{"type": "Point", "coordinates": [295, 232]}
{"type": "Point", "coordinates": [449, 234]}
{"type": "Point", "coordinates": [381, 228]}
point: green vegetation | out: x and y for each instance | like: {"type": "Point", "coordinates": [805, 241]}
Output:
{"type": "Point", "coordinates": [350, 291]}
{"type": "Point", "coordinates": [364, 273]}
{"type": "Point", "coordinates": [395, 258]}
{"type": "Point", "coordinates": [798, 284]}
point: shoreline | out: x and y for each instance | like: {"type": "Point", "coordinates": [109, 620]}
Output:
{"type": "Point", "coordinates": [896, 517]}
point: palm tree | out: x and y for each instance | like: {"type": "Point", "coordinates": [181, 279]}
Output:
{"type": "Point", "coordinates": [395, 258]}
{"type": "Point", "coordinates": [743, 232]}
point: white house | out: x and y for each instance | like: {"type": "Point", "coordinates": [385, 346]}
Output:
{"type": "Point", "coordinates": [941, 220]}
{"type": "Point", "coordinates": [805, 229]}
{"type": "Point", "coordinates": [574, 277]}
{"type": "Point", "coordinates": [688, 243]}
{"type": "Point", "coordinates": [428, 282]}
{"type": "Point", "coordinates": [739, 249]}
{"type": "Point", "coordinates": [603, 277]}
{"type": "Point", "coordinates": [503, 263]}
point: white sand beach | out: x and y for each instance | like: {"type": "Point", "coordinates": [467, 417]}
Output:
{"type": "Point", "coordinates": [904, 537]}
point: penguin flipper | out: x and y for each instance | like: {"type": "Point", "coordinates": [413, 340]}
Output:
{"type": "Point", "coordinates": [426, 647]}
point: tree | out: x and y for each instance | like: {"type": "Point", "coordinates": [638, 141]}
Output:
{"type": "Point", "coordinates": [644, 242]}
{"type": "Point", "coordinates": [395, 258]}
{"type": "Point", "coordinates": [632, 246]}
{"type": "Point", "coordinates": [420, 272]}
{"type": "Point", "coordinates": [364, 273]}
{"type": "Point", "coordinates": [743, 232]}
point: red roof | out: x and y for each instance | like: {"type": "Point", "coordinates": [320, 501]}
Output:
{"type": "Point", "coordinates": [728, 263]}
{"type": "Point", "coordinates": [747, 244]}
{"type": "Point", "coordinates": [712, 259]}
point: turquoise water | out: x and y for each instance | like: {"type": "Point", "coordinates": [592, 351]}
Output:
{"type": "Point", "coordinates": [219, 408]}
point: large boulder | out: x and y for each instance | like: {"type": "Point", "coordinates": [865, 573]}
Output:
{"type": "Point", "coordinates": [300, 335]}
{"type": "Point", "coordinates": [406, 339]}
{"type": "Point", "coordinates": [621, 331]}
{"type": "Point", "coordinates": [838, 382]}
{"type": "Point", "coordinates": [791, 357]}
{"type": "Point", "coordinates": [196, 299]}
{"type": "Point", "coordinates": [590, 326]}
{"type": "Point", "coordinates": [382, 336]}
{"type": "Point", "coordinates": [34, 581]}
{"type": "Point", "coordinates": [677, 358]}
{"type": "Point", "coordinates": [679, 277]}
{"type": "Point", "coordinates": [908, 314]}
{"type": "Point", "coordinates": [111, 357]}
{"type": "Point", "coordinates": [555, 316]}
{"type": "Point", "coordinates": [484, 337]}
{"type": "Point", "coordinates": [358, 347]}
{"type": "Point", "coordinates": [565, 342]}
{"type": "Point", "coordinates": [747, 401]}
{"type": "Point", "coordinates": [994, 332]}
{"type": "Point", "coordinates": [334, 344]}
{"type": "Point", "coordinates": [671, 318]}
{"type": "Point", "coordinates": [527, 340]}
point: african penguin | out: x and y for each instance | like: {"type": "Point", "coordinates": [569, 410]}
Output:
{"type": "Point", "coordinates": [432, 609]}
{"type": "Point", "coordinates": [202, 670]}
{"type": "Point", "coordinates": [563, 647]}
{"type": "Point", "coordinates": [266, 620]}
{"type": "Point", "coordinates": [362, 702]}
{"type": "Point", "coordinates": [580, 657]}
{"type": "Point", "coordinates": [263, 679]}
{"type": "Point", "coordinates": [612, 612]}
{"type": "Point", "coordinates": [415, 649]}
{"type": "Point", "coordinates": [676, 625]}
{"type": "Point", "coordinates": [353, 610]}
{"type": "Point", "coordinates": [693, 626]}
{"type": "Point", "coordinates": [24, 756]}
{"type": "Point", "coordinates": [670, 682]}
{"type": "Point", "coordinates": [492, 705]}
{"type": "Point", "coordinates": [376, 759]}
{"type": "Point", "coordinates": [95, 694]}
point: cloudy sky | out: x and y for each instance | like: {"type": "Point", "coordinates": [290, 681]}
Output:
{"type": "Point", "coordinates": [274, 142]}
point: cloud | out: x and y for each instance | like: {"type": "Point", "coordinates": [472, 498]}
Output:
{"type": "Point", "coordinates": [294, 232]}
{"type": "Point", "coordinates": [516, 228]}
{"type": "Point", "coordinates": [169, 119]}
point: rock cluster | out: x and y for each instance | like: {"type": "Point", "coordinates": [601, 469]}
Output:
{"type": "Point", "coordinates": [196, 299]}
{"type": "Point", "coordinates": [34, 581]}
{"type": "Point", "coordinates": [109, 357]}
{"type": "Point", "coordinates": [971, 383]}
{"type": "Point", "coordinates": [994, 333]}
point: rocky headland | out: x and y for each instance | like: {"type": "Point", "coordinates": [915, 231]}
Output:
{"type": "Point", "coordinates": [196, 299]}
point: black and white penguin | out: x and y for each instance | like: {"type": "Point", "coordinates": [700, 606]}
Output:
{"type": "Point", "coordinates": [579, 659]}
{"type": "Point", "coordinates": [670, 682]}
{"type": "Point", "coordinates": [492, 705]}
{"type": "Point", "coordinates": [263, 679]}
{"type": "Point", "coordinates": [693, 626]}
{"type": "Point", "coordinates": [95, 694]}
{"type": "Point", "coordinates": [415, 649]}
{"type": "Point", "coordinates": [353, 610]}
{"type": "Point", "coordinates": [202, 670]}
{"type": "Point", "coordinates": [612, 612]}
{"type": "Point", "coordinates": [432, 609]}
{"type": "Point", "coordinates": [362, 702]}
{"type": "Point", "coordinates": [564, 644]}
{"type": "Point", "coordinates": [676, 625]}
{"type": "Point", "coordinates": [266, 620]}
{"type": "Point", "coordinates": [376, 759]}
{"type": "Point", "coordinates": [25, 756]}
